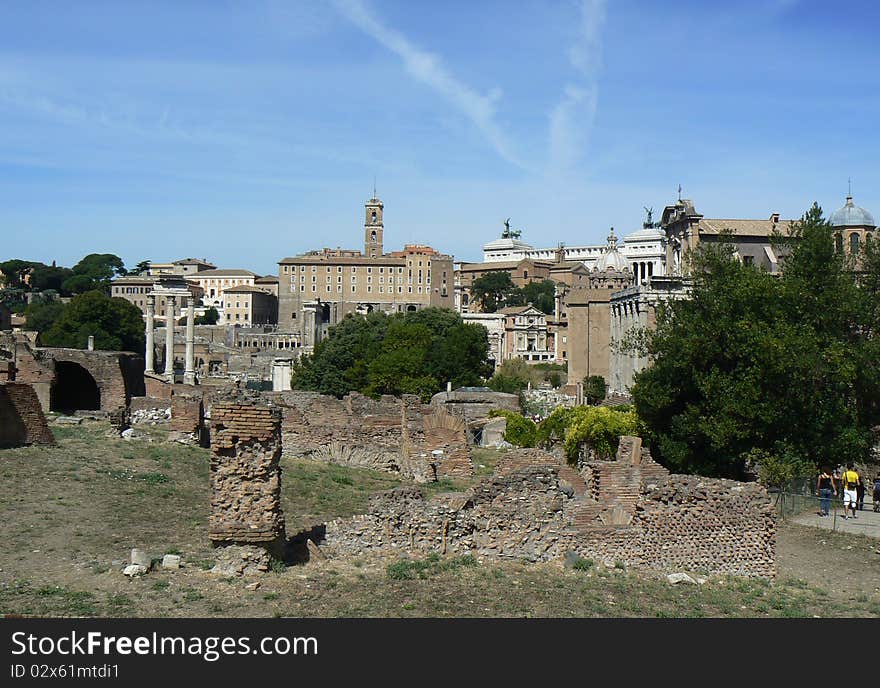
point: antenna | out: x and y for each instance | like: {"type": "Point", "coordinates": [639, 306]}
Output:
{"type": "Point", "coordinates": [679, 192]}
{"type": "Point", "coordinates": [374, 186]}
{"type": "Point", "coordinates": [849, 185]}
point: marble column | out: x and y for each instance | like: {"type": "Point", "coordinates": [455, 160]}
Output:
{"type": "Point", "coordinates": [169, 337]}
{"type": "Point", "coordinates": [151, 311]}
{"type": "Point", "coordinates": [189, 371]}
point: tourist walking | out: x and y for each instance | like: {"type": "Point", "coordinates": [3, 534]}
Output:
{"type": "Point", "coordinates": [825, 485]}
{"type": "Point", "coordinates": [850, 480]}
{"type": "Point", "coordinates": [876, 495]}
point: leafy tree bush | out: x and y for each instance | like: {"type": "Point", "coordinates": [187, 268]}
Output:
{"type": "Point", "coordinates": [41, 315]}
{"type": "Point", "coordinates": [782, 364]}
{"type": "Point", "coordinates": [94, 272]}
{"type": "Point", "coordinates": [116, 324]}
{"type": "Point", "coordinates": [414, 353]}
{"type": "Point", "coordinates": [520, 431]}
{"type": "Point", "coordinates": [595, 389]}
{"type": "Point", "coordinates": [211, 317]}
{"type": "Point", "coordinates": [512, 376]}
{"type": "Point", "coordinates": [600, 427]}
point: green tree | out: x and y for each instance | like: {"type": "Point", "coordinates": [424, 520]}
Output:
{"type": "Point", "coordinates": [412, 353]}
{"type": "Point", "coordinates": [211, 317]}
{"type": "Point", "coordinates": [492, 290]}
{"type": "Point", "coordinates": [94, 272]}
{"type": "Point", "coordinates": [41, 315]}
{"type": "Point", "coordinates": [756, 362]}
{"type": "Point", "coordinates": [116, 324]}
{"type": "Point", "coordinates": [44, 277]}
{"type": "Point", "coordinates": [542, 295]}
{"type": "Point", "coordinates": [513, 376]}
{"type": "Point", "coordinates": [595, 389]}
{"type": "Point", "coordinates": [14, 272]}
{"type": "Point", "coordinates": [141, 268]}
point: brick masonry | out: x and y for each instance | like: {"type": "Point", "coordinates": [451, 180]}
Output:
{"type": "Point", "coordinates": [246, 476]}
{"type": "Point", "coordinates": [396, 435]}
{"type": "Point", "coordinates": [21, 417]}
{"type": "Point", "coordinates": [535, 508]}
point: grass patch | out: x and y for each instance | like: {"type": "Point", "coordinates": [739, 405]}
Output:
{"type": "Point", "coordinates": [430, 566]}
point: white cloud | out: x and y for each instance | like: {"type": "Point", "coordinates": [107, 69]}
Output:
{"type": "Point", "coordinates": [572, 118]}
{"type": "Point", "coordinates": [429, 69]}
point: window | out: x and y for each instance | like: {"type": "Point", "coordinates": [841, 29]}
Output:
{"type": "Point", "coordinates": [853, 243]}
{"type": "Point", "coordinates": [339, 269]}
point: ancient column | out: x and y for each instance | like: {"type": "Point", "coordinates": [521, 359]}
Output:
{"type": "Point", "coordinates": [189, 371]}
{"type": "Point", "coordinates": [151, 309]}
{"type": "Point", "coordinates": [246, 476]}
{"type": "Point", "coordinates": [169, 336]}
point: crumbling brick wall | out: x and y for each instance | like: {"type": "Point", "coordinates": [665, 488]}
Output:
{"type": "Point", "coordinates": [21, 417]}
{"type": "Point", "coordinates": [536, 508]}
{"type": "Point", "coordinates": [187, 410]}
{"type": "Point", "coordinates": [246, 475]}
{"type": "Point", "coordinates": [395, 435]}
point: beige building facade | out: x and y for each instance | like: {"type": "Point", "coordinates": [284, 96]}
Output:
{"type": "Point", "coordinates": [318, 289]}
{"type": "Point", "coordinates": [247, 306]}
{"type": "Point", "coordinates": [138, 290]}
{"type": "Point", "coordinates": [215, 282]}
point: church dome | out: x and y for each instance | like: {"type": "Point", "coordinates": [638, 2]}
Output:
{"type": "Point", "coordinates": [611, 258]}
{"type": "Point", "coordinates": [851, 215]}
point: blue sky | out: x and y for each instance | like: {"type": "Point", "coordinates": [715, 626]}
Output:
{"type": "Point", "coordinates": [247, 132]}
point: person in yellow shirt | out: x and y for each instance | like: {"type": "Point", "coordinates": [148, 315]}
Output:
{"type": "Point", "coordinates": [850, 481]}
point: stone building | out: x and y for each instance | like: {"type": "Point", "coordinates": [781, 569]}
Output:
{"type": "Point", "coordinates": [686, 229]}
{"type": "Point", "coordinates": [137, 290]}
{"type": "Point", "coordinates": [526, 335]}
{"type": "Point", "coordinates": [183, 267]}
{"type": "Point", "coordinates": [521, 272]}
{"type": "Point", "coordinates": [634, 310]}
{"type": "Point", "coordinates": [215, 282]}
{"type": "Point", "coordinates": [318, 289]}
{"type": "Point", "coordinates": [582, 334]}
{"type": "Point", "coordinates": [269, 283]}
{"type": "Point", "coordinates": [643, 250]}
{"type": "Point", "coordinates": [853, 227]}
{"type": "Point", "coordinates": [248, 306]}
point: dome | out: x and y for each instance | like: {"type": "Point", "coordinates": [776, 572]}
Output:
{"type": "Point", "coordinates": [851, 215]}
{"type": "Point", "coordinates": [611, 259]}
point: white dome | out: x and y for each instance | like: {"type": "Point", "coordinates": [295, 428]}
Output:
{"type": "Point", "coordinates": [611, 258]}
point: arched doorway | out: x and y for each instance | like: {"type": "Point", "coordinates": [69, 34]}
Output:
{"type": "Point", "coordinates": [74, 389]}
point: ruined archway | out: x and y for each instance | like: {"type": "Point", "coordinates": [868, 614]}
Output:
{"type": "Point", "coordinates": [74, 389]}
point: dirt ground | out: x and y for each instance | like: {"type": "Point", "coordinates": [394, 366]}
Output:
{"type": "Point", "coordinates": [70, 515]}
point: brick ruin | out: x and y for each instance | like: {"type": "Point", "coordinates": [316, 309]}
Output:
{"type": "Point", "coordinates": [420, 442]}
{"type": "Point", "coordinates": [72, 379]}
{"type": "Point", "coordinates": [21, 418]}
{"type": "Point", "coordinates": [246, 477]}
{"type": "Point", "coordinates": [536, 508]}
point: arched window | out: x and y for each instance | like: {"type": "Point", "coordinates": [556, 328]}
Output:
{"type": "Point", "coordinates": [373, 216]}
{"type": "Point", "coordinates": [838, 242]}
{"type": "Point", "coordinates": [853, 243]}
{"type": "Point", "coordinates": [373, 235]}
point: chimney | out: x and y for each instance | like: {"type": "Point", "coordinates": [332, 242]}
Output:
{"type": "Point", "coordinates": [774, 218]}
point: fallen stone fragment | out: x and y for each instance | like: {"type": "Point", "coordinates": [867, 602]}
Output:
{"type": "Point", "coordinates": [680, 578]}
{"type": "Point", "coordinates": [171, 561]}
{"type": "Point", "coordinates": [133, 570]}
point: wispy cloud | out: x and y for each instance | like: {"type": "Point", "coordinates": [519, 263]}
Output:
{"type": "Point", "coordinates": [571, 120]}
{"type": "Point", "coordinates": [429, 69]}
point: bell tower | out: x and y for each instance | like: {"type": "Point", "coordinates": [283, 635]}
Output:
{"type": "Point", "coordinates": [373, 227]}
